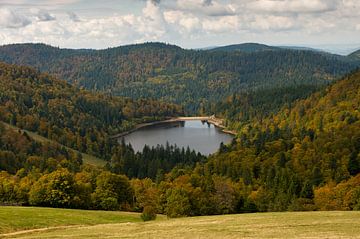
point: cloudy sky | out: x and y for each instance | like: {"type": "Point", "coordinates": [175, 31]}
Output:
{"type": "Point", "coordinates": [187, 23]}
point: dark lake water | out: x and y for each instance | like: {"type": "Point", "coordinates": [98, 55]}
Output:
{"type": "Point", "coordinates": [201, 137]}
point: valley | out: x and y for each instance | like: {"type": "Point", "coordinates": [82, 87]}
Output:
{"type": "Point", "coordinates": [276, 145]}
{"type": "Point", "coordinates": [179, 119]}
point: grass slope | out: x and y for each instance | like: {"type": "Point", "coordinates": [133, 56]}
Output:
{"type": "Point", "coordinates": [13, 219]}
{"type": "Point", "coordinates": [260, 225]}
{"type": "Point", "coordinates": [87, 158]}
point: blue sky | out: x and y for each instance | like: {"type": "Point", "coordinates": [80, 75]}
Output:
{"type": "Point", "coordinates": [331, 24]}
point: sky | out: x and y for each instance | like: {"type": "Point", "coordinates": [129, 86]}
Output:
{"type": "Point", "coordinates": [99, 24]}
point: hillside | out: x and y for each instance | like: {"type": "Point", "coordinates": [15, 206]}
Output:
{"type": "Point", "coordinates": [111, 224]}
{"type": "Point", "coordinates": [187, 77]}
{"type": "Point", "coordinates": [13, 219]}
{"type": "Point", "coordinates": [355, 55]}
{"type": "Point", "coordinates": [305, 157]}
{"type": "Point", "coordinates": [86, 158]}
{"type": "Point", "coordinates": [19, 151]}
{"type": "Point", "coordinates": [246, 47]}
{"type": "Point", "coordinates": [75, 118]}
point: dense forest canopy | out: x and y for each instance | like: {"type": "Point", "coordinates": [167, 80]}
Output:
{"type": "Point", "coordinates": [73, 117]}
{"type": "Point", "coordinates": [297, 144]}
{"type": "Point", "coordinates": [355, 55]}
{"type": "Point", "coordinates": [305, 157]}
{"type": "Point", "coordinates": [192, 78]}
{"type": "Point", "coordinates": [299, 158]}
{"type": "Point", "coordinates": [246, 47]}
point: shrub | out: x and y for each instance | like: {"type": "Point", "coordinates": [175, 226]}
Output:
{"type": "Point", "coordinates": [109, 204]}
{"type": "Point", "coordinates": [149, 213]}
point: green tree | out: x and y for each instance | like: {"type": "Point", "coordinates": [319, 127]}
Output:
{"type": "Point", "coordinates": [112, 192]}
{"type": "Point", "coordinates": [177, 203]}
{"type": "Point", "coordinates": [56, 189]}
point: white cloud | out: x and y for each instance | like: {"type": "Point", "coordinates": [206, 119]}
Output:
{"type": "Point", "coordinates": [42, 15]}
{"type": "Point", "coordinates": [186, 23]}
{"type": "Point", "coordinates": [215, 22]}
{"type": "Point", "coordinates": [38, 2]}
{"type": "Point", "coordinates": [67, 28]}
{"type": "Point", "coordinates": [319, 25]}
{"type": "Point", "coordinates": [210, 8]}
{"type": "Point", "coordinates": [73, 17]}
{"type": "Point", "coordinates": [222, 24]}
{"type": "Point", "coordinates": [272, 23]}
{"type": "Point", "coordinates": [11, 19]}
{"type": "Point", "coordinates": [152, 24]}
{"type": "Point", "coordinates": [295, 6]}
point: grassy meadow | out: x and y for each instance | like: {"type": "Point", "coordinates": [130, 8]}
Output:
{"type": "Point", "coordinates": [60, 223]}
{"type": "Point", "coordinates": [14, 219]}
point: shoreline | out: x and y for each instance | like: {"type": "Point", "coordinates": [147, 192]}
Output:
{"type": "Point", "coordinates": [209, 119]}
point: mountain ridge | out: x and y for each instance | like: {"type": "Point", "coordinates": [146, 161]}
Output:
{"type": "Point", "coordinates": [189, 77]}
{"type": "Point", "coordinates": [246, 47]}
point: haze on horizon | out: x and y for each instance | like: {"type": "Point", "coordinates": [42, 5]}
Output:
{"type": "Point", "coordinates": [327, 24]}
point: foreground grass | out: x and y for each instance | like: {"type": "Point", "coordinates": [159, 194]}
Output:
{"type": "Point", "coordinates": [87, 158]}
{"type": "Point", "coordinates": [25, 218]}
{"type": "Point", "coordinates": [260, 225]}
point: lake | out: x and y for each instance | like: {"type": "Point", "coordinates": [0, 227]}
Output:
{"type": "Point", "coordinates": [201, 137]}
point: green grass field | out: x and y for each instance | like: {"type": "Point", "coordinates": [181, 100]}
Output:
{"type": "Point", "coordinates": [14, 219]}
{"type": "Point", "coordinates": [60, 223]}
{"type": "Point", "coordinates": [88, 159]}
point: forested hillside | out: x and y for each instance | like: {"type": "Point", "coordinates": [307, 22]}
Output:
{"type": "Point", "coordinates": [47, 174]}
{"type": "Point", "coordinates": [355, 55]}
{"type": "Point", "coordinates": [75, 118]}
{"type": "Point", "coordinates": [306, 157]}
{"type": "Point", "coordinates": [191, 78]}
{"type": "Point", "coordinates": [240, 109]}
{"type": "Point", "coordinates": [246, 47]}
{"type": "Point", "coordinates": [18, 150]}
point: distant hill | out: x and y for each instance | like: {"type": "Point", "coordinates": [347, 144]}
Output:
{"type": "Point", "coordinates": [246, 47]}
{"type": "Point", "coordinates": [355, 55]}
{"type": "Point", "coordinates": [192, 78]}
{"type": "Point", "coordinates": [300, 48]}
{"type": "Point", "coordinates": [256, 47]}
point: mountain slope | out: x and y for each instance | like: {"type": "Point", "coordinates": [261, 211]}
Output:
{"type": "Point", "coordinates": [73, 117]}
{"type": "Point", "coordinates": [86, 158]}
{"type": "Point", "coordinates": [169, 73]}
{"type": "Point", "coordinates": [246, 47]}
{"type": "Point", "coordinates": [287, 157]}
{"type": "Point", "coordinates": [355, 55]}
{"type": "Point", "coordinates": [18, 150]}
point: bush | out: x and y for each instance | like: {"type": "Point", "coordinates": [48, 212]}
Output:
{"type": "Point", "coordinates": [149, 213]}
{"type": "Point", "coordinates": [302, 204]}
{"type": "Point", "coordinates": [109, 204]}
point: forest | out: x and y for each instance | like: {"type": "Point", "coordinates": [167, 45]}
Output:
{"type": "Point", "coordinates": [192, 78]}
{"type": "Point", "coordinates": [73, 117]}
{"type": "Point", "coordinates": [298, 156]}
